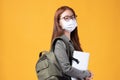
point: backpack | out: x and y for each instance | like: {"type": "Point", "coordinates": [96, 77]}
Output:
{"type": "Point", "coordinates": [47, 67]}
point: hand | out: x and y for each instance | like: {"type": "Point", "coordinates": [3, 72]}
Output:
{"type": "Point", "coordinates": [90, 77]}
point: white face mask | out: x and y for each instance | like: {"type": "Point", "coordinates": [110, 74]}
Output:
{"type": "Point", "coordinates": [69, 25]}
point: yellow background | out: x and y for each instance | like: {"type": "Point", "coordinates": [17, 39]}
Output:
{"type": "Point", "coordinates": [26, 28]}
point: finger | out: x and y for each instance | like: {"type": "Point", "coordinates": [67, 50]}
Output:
{"type": "Point", "coordinates": [87, 79]}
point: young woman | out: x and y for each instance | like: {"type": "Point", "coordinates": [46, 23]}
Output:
{"type": "Point", "coordinates": [65, 26]}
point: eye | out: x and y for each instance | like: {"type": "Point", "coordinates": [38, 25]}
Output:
{"type": "Point", "coordinates": [73, 17]}
{"type": "Point", "coordinates": [66, 18]}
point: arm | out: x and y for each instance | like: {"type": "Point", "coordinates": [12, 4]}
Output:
{"type": "Point", "coordinates": [61, 55]}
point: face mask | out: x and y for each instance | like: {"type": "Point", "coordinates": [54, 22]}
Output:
{"type": "Point", "coordinates": [69, 25]}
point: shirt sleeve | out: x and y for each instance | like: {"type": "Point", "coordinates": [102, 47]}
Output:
{"type": "Point", "coordinates": [61, 55]}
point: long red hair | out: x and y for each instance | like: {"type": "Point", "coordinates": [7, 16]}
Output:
{"type": "Point", "coordinates": [58, 31]}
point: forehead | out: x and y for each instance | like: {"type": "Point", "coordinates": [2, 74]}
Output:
{"type": "Point", "coordinates": [67, 13]}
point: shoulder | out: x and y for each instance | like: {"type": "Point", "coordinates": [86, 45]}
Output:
{"type": "Point", "coordinates": [60, 43]}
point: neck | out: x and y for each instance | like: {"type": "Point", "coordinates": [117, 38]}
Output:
{"type": "Point", "coordinates": [67, 34]}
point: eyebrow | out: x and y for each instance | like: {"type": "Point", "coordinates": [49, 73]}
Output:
{"type": "Point", "coordinates": [68, 15]}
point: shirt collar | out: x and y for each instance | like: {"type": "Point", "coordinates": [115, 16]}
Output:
{"type": "Point", "coordinates": [65, 37]}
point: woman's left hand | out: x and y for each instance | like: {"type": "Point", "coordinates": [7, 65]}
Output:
{"type": "Point", "coordinates": [89, 78]}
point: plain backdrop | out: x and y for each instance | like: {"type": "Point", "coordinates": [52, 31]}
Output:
{"type": "Point", "coordinates": [26, 29]}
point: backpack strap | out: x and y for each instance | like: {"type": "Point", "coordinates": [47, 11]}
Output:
{"type": "Point", "coordinates": [66, 43]}
{"type": "Point", "coordinates": [67, 49]}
